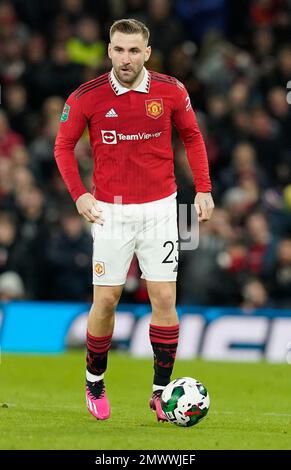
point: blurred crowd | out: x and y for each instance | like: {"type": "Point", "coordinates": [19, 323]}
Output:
{"type": "Point", "coordinates": [235, 60]}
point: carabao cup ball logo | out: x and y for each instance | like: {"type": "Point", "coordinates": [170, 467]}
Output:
{"type": "Point", "coordinates": [65, 113]}
{"type": "Point", "coordinates": [154, 108]}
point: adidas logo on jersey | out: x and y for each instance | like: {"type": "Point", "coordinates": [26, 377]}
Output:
{"type": "Point", "coordinates": [111, 113]}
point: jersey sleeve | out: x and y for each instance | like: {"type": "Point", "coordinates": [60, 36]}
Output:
{"type": "Point", "coordinates": [72, 125]}
{"type": "Point", "coordinates": [186, 123]}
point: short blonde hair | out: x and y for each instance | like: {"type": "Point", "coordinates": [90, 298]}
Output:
{"type": "Point", "coordinates": [130, 26]}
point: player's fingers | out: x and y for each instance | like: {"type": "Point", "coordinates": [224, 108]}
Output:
{"type": "Point", "coordinates": [97, 208]}
{"type": "Point", "coordinates": [198, 209]}
{"type": "Point", "coordinates": [97, 212]}
{"type": "Point", "coordinates": [200, 212]}
{"type": "Point", "coordinates": [93, 218]}
{"type": "Point", "coordinates": [98, 216]}
{"type": "Point", "coordinates": [89, 216]}
{"type": "Point", "coordinates": [206, 213]}
{"type": "Point", "coordinates": [99, 220]}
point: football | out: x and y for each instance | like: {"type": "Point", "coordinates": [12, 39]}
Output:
{"type": "Point", "coordinates": [185, 401]}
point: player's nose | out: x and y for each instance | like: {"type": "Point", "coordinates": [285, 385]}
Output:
{"type": "Point", "coordinates": [125, 59]}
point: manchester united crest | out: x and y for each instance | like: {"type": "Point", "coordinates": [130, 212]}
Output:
{"type": "Point", "coordinates": [154, 108]}
{"type": "Point", "coordinates": [99, 268]}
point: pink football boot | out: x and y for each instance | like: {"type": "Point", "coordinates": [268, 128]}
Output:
{"type": "Point", "coordinates": [155, 405]}
{"type": "Point", "coordinates": [97, 401]}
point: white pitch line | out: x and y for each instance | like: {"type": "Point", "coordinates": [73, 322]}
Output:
{"type": "Point", "coordinates": [257, 414]}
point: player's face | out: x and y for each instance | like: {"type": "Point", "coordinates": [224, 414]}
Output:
{"type": "Point", "coordinates": [128, 53]}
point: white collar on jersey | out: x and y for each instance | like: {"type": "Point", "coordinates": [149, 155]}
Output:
{"type": "Point", "coordinates": [143, 87]}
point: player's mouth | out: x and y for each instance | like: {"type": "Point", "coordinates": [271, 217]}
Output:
{"type": "Point", "coordinates": [125, 69]}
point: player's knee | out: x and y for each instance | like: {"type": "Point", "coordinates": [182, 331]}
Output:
{"type": "Point", "coordinates": [109, 302]}
{"type": "Point", "coordinates": [106, 302]}
{"type": "Point", "coordinates": [164, 300]}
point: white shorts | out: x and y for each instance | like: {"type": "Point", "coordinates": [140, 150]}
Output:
{"type": "Point", "coordinates": [149, 230]}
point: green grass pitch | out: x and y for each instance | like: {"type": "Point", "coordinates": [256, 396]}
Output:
{"type": "Point", "coordinates": [42, 406]}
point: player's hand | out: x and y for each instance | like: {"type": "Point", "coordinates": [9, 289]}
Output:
{"type": "Point", "coordinates": [87, 207]}
{"type": "Point", "coordinates": [204, 206]}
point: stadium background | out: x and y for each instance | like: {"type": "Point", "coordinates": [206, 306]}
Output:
{"type": "Point", "coordinates": [235, 60]}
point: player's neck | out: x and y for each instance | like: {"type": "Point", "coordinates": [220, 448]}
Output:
{"type": "Point", "coordinates": [135, 84]}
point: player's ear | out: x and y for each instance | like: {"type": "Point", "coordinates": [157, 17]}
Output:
{"type": "Point", "coordinates": [148, 53]}
{"type": "Point", "coordinates": [109, 50]}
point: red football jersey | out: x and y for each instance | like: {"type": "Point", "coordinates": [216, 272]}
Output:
{"type": "Point", "coordinates": [130, 135]}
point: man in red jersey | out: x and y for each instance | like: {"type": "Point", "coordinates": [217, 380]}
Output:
{"type": "Point", "coordinates": [130, 112]}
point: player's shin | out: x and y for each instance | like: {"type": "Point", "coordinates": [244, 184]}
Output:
{"type": "Point", "coordinates": [164, 341]}
{"type": "Point", "coordinates": [97, 354]}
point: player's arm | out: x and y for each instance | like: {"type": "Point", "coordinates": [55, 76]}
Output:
{"type": "Point", "coordinates": [72, 124]}
{"type": "Point", "coordinates": [185, 121]}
